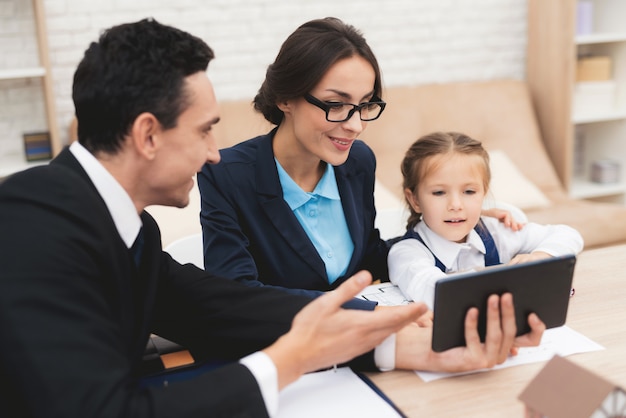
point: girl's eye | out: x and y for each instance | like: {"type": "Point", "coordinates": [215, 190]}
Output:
{"type": "Point", "coordinates": [438, 193]}
{"type": "Point", "coordinates": [470, 192]}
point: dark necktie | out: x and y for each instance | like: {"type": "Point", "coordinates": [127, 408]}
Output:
{"type": "Point", "coordinates": [137, 247]}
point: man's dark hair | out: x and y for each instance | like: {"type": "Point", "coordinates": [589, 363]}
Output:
{"type": "Point", "coordinates": [134, 68]}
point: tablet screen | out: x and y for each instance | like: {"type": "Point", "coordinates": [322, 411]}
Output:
{"type": "Point", "coordinates": [542, 287]}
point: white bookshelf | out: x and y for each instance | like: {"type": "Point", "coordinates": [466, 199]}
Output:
{"type": "Point", "coordinates": [553, 50]}
{"type": "Point", "coordinates": [11, 161]}
{"type": "Point", "coordinates": [32, 72]}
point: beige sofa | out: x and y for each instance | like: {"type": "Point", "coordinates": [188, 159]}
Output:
{"type": "Point", "coordinates": [499, 113]}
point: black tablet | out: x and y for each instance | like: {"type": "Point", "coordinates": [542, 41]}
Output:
{"type": "Point", "coordinates": [542, 287]}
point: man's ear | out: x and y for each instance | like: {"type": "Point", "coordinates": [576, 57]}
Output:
{"type": "Point", "coordinates": [145, 133]}
{"type": "Point", "coordinates": [410, 197]}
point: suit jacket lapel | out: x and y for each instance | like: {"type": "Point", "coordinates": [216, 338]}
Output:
{"type": "Point", "coordinates": [350, 188]}
{"type": "Point", "coordinates": [125, 267]}
{"type": "Point", "coordinates": [270, 195]}
{"type": "Point", "coordinates": [148, 279]}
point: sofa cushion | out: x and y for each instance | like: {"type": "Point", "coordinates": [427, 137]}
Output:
{"type": "Point", "coordinates": [239, 122]}
{"type": "Point", "coordinates": [497, 113]}
{"type": "Point", "coordinates": [600, 224]}
{"type": "Point", "coordinates": [508, 184]}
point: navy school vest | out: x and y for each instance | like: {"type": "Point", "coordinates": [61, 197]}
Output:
{"type": "Point", "coordinates": [492, 257]}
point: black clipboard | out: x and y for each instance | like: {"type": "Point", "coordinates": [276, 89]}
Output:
{"type": "Point", "coordinates": [542, 287]}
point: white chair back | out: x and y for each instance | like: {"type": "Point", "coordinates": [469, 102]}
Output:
{"type": "Point", "coordinates": [187, 250]}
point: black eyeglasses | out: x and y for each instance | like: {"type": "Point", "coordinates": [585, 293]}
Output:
{"type": "Point", "coordinates": [341, 112]}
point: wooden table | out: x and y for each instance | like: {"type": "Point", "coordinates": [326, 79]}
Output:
{"type": "Point", "coordinates": [598, 311]}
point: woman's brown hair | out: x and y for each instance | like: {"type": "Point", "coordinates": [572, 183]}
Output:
{"type": "Point", "coordinates": [304, 58]}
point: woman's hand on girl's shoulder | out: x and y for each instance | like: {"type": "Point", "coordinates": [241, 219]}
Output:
{"type": "Point", "coordinates": [504, 216]}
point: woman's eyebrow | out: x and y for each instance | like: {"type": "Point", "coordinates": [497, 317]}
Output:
{"type": "Point", "coordinates": [346, 96]}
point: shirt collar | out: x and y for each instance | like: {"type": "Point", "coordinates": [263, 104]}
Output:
{"type": "Point", "coordinates": [296, 197]}
{"type": "Point", "coordinates": [118, 202]}
{"type": "Point", "coordinates": [447, 251]}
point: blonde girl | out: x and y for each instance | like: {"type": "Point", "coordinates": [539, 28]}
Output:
{"type": "Point", "coordinates": [446, 177]}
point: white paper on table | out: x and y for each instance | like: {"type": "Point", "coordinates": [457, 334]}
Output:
{"type": "Point", "coordinates": [329, 394]}
{"type": "Point", "coordinates": [386, 294]}
{"type": "Point", "coordinates": [563, 341]}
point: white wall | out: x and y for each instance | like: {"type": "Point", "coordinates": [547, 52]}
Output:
{"type": "Point", "coordinates": [416, 42]}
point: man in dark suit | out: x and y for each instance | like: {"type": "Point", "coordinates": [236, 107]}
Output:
{"type": "Point", "coordinates": [84, 281]}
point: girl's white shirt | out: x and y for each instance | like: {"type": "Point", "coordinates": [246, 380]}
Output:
{"type": "Point", "coordinates": [412, 265]}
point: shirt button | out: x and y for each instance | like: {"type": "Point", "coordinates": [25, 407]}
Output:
{"type": "Point", "coordinates": [329, 255]}
{"type": "Point", "coordinates": [311, 213]}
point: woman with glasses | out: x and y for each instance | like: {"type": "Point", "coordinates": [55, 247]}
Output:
{"type": "Point", "coordinates": [295, 208]}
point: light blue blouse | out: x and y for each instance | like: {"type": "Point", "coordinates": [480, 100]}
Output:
{"type": "Point", "coordinates": [321, 215]}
